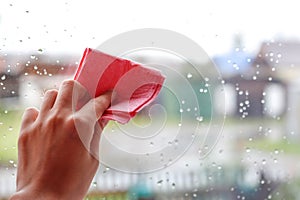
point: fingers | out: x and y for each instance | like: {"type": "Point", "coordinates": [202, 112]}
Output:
{"type": "Point", "coordinates": [70, 92]}
{"type": "Point", "coordinates": [49, 100]}
{"type": "Point", "coordinates": [94, 109]}
{"type": "Point", "coordinates": [29, 117]}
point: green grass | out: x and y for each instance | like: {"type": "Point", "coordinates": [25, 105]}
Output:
{"type": "Point", "coordinates": [285, 146]}
{"type": "Point", "coordinates": [9, 131]}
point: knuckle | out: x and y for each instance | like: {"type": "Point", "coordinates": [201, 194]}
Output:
{"type": "Point", "coordinates": [50, 92]}
{"type": "Point", "coordinates": [68, 83]}
{"type": "Point", "coordinates": [24, 137]}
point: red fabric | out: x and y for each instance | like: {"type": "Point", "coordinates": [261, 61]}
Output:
{"type": "Point", "coordinates": [133, 85]}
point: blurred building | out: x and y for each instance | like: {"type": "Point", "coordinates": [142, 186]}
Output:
{"type": "Point", "coordinates": [24, 77]}
{"type": "Point", "coordinates": [281, 59]}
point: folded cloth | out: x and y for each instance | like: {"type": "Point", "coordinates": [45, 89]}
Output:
{"type": "Point", "coordinates": [133, 85]}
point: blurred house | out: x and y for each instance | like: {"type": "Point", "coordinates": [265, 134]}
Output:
{"type": "Point", "coordinates": [281, 58]}
{"type": "Point", "coordinates": [251, 83]}
{"type": "Point", "coordinates": [24, 77]}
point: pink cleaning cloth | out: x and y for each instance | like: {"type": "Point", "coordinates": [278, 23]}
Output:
{"type": "Point", "coordinates": [133, 86]}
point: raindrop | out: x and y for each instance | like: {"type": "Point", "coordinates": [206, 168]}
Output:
{"type": "Point", "coordinates": [263, 162]}
{"type": "Point", "coordinates": [262, 101]}
{"type": "Point", "coordinates": [183, 102]}
{"type": "Point", "coordinates": [254, 77]}
{"type": "Point", "coordinates": [11, 161]}
{"type": "Point", "coordinates": [235, 66]}
{"type": "Point", "coordinates": [173, 185]}
{"type": "Point", "coordinates": [40, 51]}
{"type": "Point", "coordinates": [276, 151]}
{"type": "Point", "coordinates": [3, 77]}
{"type": "Point", "coordinates": [199, 118]}
{"type": "Point", "coordinates": [270, 78]}
{"type": "Point", "coordinates": [159, 182]}
{"type": "Point", "coordinates": [279, 55]}
{"type": "Point", "coordinates": [10, 128]}
{"type": "Point", "coordinates": [32, 56]}
{"type": "Point", "coordinates": [275, 160]}
{"type": "Point", "coordinates": [181, 110]}
{"type": "Point", "coordinates": [189, 75]}
{"type": "Point", "coordinates": [206, 79]}
{"type": "Point", "coordinates": [94, 184]}
{"type": "Point", "coordinates": [248, 150]}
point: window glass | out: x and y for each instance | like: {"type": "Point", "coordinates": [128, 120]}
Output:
{"type": "Point", "coordinates": [226, 122]}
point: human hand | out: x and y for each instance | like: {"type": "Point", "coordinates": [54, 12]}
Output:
{"type": "Point", "coordinates": [58, 146]}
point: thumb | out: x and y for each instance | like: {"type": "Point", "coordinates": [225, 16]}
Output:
{"type": "Point", "coordinates": [94, 108]}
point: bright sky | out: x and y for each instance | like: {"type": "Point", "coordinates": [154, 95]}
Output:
{"type": "Point", "coordinates": [70, 26]}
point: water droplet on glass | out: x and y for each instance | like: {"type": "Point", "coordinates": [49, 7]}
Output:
{"type": "Point", "coordinates": [173, 185]}
{"type": "Point", "coordinates": [94, 184]}
{"type": "Point", "coordinates": [276, 151]}
{"type": "Point", "coordinates": [159, 182]}
{"type": "Point", "coordinates": [199, 118]}
{"type": "Point", "coordinates": [248, 150]}
{"type": "Point", "coordinates": [279, 55]}
{"type": "Point", "coordinates": [3, 77]}
{"type": "Point", "coordinates": [263, 162]}
{"type": "Point", "coordinates": [10, 128]}
{"type": "Point", "coordinates": [189, 75]}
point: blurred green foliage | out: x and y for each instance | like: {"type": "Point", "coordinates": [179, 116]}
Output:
{"type": "Point", "coordinates": [9, 130]}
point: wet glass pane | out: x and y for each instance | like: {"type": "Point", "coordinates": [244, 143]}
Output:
{"type": "Point", "coordinates": [226, 122]}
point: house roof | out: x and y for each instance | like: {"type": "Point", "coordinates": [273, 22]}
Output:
{"type": "Point", "coordinates": [281, 59]}
{"type": "Point", "coordinates": [280, 53]}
